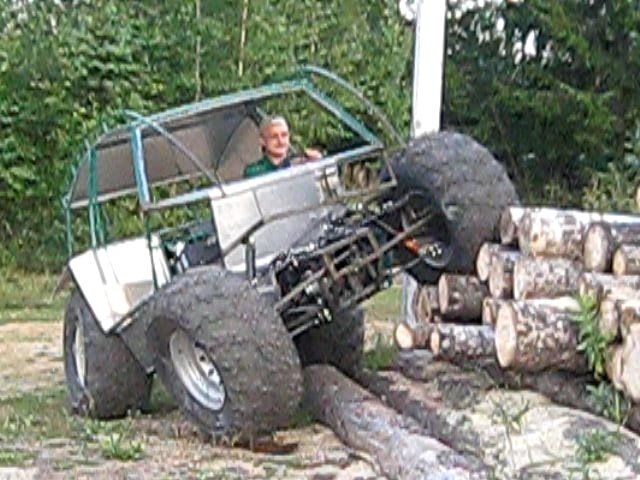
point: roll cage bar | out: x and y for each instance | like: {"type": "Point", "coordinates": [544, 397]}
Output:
{"type": "Point", "coordinates": [132, 131]}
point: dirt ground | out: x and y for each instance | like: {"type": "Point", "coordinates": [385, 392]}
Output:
{"type": "Point", "coordinates": [38, 438]}
{"type": "Point", "coordinates": [515, 434]}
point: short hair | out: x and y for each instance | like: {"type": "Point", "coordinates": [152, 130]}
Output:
{"type": "Point", "coordinates": [270, 120]}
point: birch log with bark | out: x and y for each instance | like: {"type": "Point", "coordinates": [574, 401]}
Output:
{"type": "Point", "coordinates": [408, 337]}
{"type": "Point", "coordinates": [501, 274]}
{"type": "Point", "coordinates": [557, 232]}
{"type": "Point", "coordinates": [490, 308]}
{"type": "Point", "coordinates": [488, 251]}
{"type": "Point", "coordinates": [601, 241]}
{"type": "Point", "coordinates": [461, 344]}
{"type": "Point", "coordinates": [629, 315]}
{"type": "Point", "coordinates": [626, 260]}
{"type": "Point", "coordinates": [532, 336]}
{"type": "Point", "coordinates": [509, 221]}
{"type": "Point", "coordinates": [425, 303]}
{"type": "Point", "coordinates": [460, 296]}
{"type": "Point", "coordinates": [630, 363]}
{"type": "Point", "coordinates": [599, 285]}
{"type": "Point", "coordinates": [544, 277]}
{"type": "Point", "coordinates": [396, 442]}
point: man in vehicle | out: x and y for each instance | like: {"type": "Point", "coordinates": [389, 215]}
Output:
{"type": "Point", "coordinates": [275, 142]}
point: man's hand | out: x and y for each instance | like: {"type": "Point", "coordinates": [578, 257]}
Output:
{"type": "Point", "coordinates": [312, 154]}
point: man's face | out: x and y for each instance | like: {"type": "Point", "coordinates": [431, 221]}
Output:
{"type": "Point", "coordinates": [275, 141]}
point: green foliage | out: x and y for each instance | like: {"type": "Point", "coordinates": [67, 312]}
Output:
{"type": "Point", "coordinates": [610, 402]}
{"type": "Point", "coordinates": [381, 354]}
{"type": "Point", "coordinates": [592, 341]}
{"type": "Point", "coordinates": [596, 445]}
{"type": "Point", "coordinates": [562, 116]}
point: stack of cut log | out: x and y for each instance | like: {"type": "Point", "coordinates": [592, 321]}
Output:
{"type": "Point", "coordinates": [518, 310]}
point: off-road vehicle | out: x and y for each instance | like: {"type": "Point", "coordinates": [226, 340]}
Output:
{"type": "Point", "coordinates": [225, 287]}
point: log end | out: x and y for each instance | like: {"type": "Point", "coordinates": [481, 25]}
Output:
{"type": "Point", "coordinates": [483, 261]}
{"type": "Point", "coordinates": [506, 335]}
{"type": "Point", "coordinates": [619, 263]}
{"type": "Point", "coordinates": [597, 248]}
{"type": "Point", "coordinates": [434, 342]}
{"type": "Point", "coordinates": [443, 293]}
{"type": "Point", "coordinates": [403, 336]}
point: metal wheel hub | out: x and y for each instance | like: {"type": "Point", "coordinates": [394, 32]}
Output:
{"type": "Point", "coordinates": [196, 371]}
{"type": "Point", "coordinates": [79, 356]}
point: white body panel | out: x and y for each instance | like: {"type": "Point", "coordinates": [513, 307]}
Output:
{"type": "Point", "coordinates": [116, 278]}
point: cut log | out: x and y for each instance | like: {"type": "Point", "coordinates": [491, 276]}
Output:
{"type": "Point", "coordinates": [509, 221]}
{"type": "Point", "coordinates": [534, 336]}
{"type": "Point", "coordinates": [490, 307]}
{"type": "Point", "coordinates": [629, 315]}
{"type": "Point", "coordinates": [544, 277]}
{"type": "Point", "coordinates": [425, 303]}
{"type": "Point", "coordinates": [626, 260]}
{"type": "Point", "coordinates": [501, 274]}
{"type": "Point", "coordinates": [599, 285]}
{"type": "Point", "coordinates": [488, 251]}
{"type": "Point", "coordinates": [408, 338]}
{"type": "Point", "coordinates": [601, 241]}
{"type": "Point", "coordinates": [461, 344]}
{"type": "Point", "coordinates": [396, 442]}
{"type": "Point", "coordinates": [555, 232]}
{"type": "Point", "coordinates": [613, 366]}
{"type": "Point", "coordinates": [460, 296]}
{"type": "Point", "coordinates": [630, 364]}
{"type": "Point", "coordinates": [609, 319]}
{"type": "Point", "coordinates": [637, 197]}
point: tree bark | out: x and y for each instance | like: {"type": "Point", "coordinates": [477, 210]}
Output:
{"type": "Point", "coordinates": [601, 240]}
{"type": "Point", "coordinates": [490, 308]}
{"type": "Point", "coordinates": [533, 336]}
{"type": "Point", "coordinates": [396, 442]}
{"type": "Point", "coordinates": [460, 296]}
{"type": "Point", "coordinates": [630, 364]}
{"type": "Point", "coordinates": [462, 343]}
{"type": "Point", "coordinates": [544, 277]}
{"type": "Point", "coordinates": [609, 320]}
{"type": "Point", "coordinates": [626, 260]}
{"type": "Point", "coordinates": [501, 274]}
{"type": "Point", "coordinates": [408, 338]}
{"type": "Point", "coordinates": [509, 221]}
{"type": "Point", "coordinates": [599, 285]}
{"type": "Point", "coordinates": [629, 315]}
{"type": "Point", "coordinates": [556, 232]}
{"type": "Point", "coordinates": [425, 303]}
{"type": "Point", "coordinates": [488, 251]}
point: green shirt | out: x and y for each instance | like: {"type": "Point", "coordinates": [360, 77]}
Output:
{"type": "Point", "coordinates": [262, 166]}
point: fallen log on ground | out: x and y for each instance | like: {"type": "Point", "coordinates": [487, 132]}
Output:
{"type": "Point", "coordinates": [601, 241]}
{"type": "Point", "coordinates": [517, 434]}
{"type": "Point", "coordinates": [626, 260]}
{"type": "Point", "coordinates": [460, 296]}
{"type": "Point", "coordinates": [533, 336]}
{"type": "Point", "coordinates": [396, 442]}
{"type": "Point", "coordinates": [462, 343]}
{"type": "Point", "coordinates": [545, 277]}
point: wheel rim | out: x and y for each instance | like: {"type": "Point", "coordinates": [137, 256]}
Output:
{"type": "Point", "coordinates": [196, 370]}
{"type": "Point", "coordinates": [79, 356]}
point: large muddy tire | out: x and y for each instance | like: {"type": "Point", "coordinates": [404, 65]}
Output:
{"type": "Point", "coordinates": [224, 355]}
{"type": "Point", "coordinates": [465, 188]}
{"type": "Point", "coordinates": [339, 343]}
{"type": "Point", "coordinates": [104, 380]}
